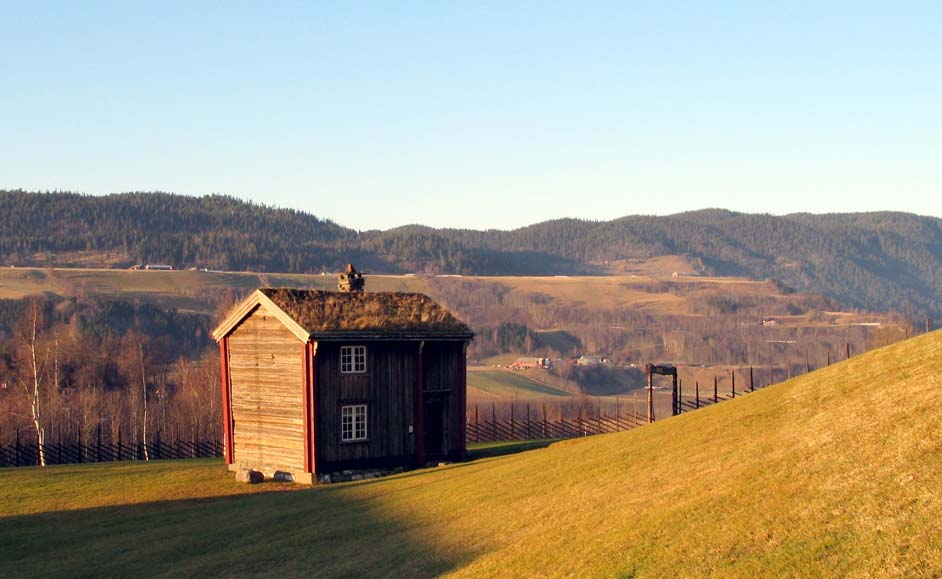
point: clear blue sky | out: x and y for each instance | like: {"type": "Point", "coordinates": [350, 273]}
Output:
{"type": "Point", "coordinates": [480, 114]}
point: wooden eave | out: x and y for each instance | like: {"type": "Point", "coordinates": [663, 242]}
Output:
{"type": "Point", "coordinates": [348, 335]}
{"type": "Point", "coordinates": [245, 309]}
{"type": "Point", "coordinates": [258, 298]}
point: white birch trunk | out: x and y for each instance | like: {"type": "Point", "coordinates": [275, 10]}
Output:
{"type": "Point", "coordinates": [34, 407]}
{"type": "Point", "coordinates": [140, 347]}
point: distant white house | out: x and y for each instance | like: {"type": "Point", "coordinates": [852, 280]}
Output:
{"type": "Point", "coordinates": [591, 360]}
{"type": "Point", "coordinates": [524, 363]}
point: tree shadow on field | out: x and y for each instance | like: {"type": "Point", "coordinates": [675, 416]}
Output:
{"type": "Point", "coordinates": [319, 532]}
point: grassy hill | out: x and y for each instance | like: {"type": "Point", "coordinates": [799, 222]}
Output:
{"type": "Point", "coordinates": [835, 473]}
{"type": "Point", "coordinates": [509, 384]}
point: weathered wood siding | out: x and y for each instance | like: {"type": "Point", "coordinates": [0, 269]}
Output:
{"type": "Point", "coordinates": [266, 369]}
{"type": "Point", "coordinates": [388, 389]}
{"type": "Point", "coordinates": [442, 379]}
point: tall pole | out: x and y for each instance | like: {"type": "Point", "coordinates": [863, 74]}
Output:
{"type": "Point", "coordinates": [674, 395]}
{"type": "Point", "coordinates": [650, 396]}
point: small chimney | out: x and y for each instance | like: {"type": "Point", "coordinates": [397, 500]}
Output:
{"type": "Point", "coordinates": [351, 280]}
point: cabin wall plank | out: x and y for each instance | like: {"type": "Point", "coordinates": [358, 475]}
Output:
{"type": "Point", "coordinates": [266, 370]}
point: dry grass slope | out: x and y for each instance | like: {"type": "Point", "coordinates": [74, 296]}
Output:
{"type": "Point", "coordinates": [835, 473]}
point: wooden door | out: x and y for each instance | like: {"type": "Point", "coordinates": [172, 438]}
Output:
{"type": "Point", "coordinates": [436, 426]}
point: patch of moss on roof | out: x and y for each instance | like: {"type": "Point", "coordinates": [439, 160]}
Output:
{"type": "Point", "coordinates": [392, 312]}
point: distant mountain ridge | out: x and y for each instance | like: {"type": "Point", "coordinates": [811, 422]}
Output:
{"type": "Point", "coordinates": [881, 261]}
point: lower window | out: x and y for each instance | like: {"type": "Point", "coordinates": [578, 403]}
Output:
{"type": "Point", "coordinates": [353, 422]}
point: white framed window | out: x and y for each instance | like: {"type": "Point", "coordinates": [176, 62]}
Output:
{"type": "Point", "coordinates": [352, 359]}
{"type": "Point", "coordinates": [353, 423]}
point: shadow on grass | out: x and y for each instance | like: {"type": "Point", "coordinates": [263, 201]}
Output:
{"type": "Point", "coordinates": [327, 531]}
{"type": "Point", "coordinates": [322, 532]}
{"type": "Point", "coordinates": [492, 449]}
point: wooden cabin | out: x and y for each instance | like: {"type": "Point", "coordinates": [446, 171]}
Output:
{"type": "Point", "coordinates": [315, 382]}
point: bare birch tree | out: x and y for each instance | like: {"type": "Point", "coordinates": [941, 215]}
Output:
{"type": "Point", "coordinates": [30, 336]}
{"type": "Point", "coordinates": [140, 350]}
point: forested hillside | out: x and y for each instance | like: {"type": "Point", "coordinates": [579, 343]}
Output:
{"type": "Point", "coordinates": [880, 261]}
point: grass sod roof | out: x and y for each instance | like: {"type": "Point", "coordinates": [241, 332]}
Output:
{"type": "Point", "coordinates": [327, 312]}
{"type": "Point", "coordinates": [832, 474]}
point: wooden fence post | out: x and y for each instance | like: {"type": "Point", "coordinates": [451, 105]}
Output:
{"type": "Point", "coordinates": [847, 346]}
{"type": "Point", "coordinates": [674, 396]}
{"type": "Point", "coordinates": [716, 392]}
{"type": "Point", "coordinates": [543, 433]}
{"type": "Point", "coordinates": [829, 356]}
{"type": "Point", "coordinates": [493, 422]}
{"type": "Point", "coordinates": [650, 397]}
{"type": "Point", "coordinates": [752, 382]}
{"type": "Point", "coordinates": [513, 434]}
{"type": "Point", "coordinates": [477, 425]}
{"type": "Point", "coordinates": [617, 412]}
{"type": "Point", "coordinates": [697, 390]}
{"type": "Point", "coordinates": [528, 421]}
{"type": "Point", "coordinates": [734, 383]}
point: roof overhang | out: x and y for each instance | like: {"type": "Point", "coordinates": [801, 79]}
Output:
{"type": "Point", "coordinates": [348, 335]}
{"type": "Point", "coordinates": [259, 299]}
{"type": "Point", "coordinates": [248, 306]}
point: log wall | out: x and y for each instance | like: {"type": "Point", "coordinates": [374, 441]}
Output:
{"type": "Point", "coordinates": [266, 366]}
{"type": "Point", "coordinates": [388, 390]}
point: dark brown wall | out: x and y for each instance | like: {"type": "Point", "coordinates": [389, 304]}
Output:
{"type": "Point", "coordinates": [388, 388]}
{"type": "Point", "coordinates": [266, 369]}
{"type": "Point", "coordinates": [442, 379]}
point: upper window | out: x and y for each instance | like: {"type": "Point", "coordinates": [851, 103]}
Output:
{"type": "Point", "coordinates": [353, 423]}
{"type": "Point", "coordinates": [352, 359]}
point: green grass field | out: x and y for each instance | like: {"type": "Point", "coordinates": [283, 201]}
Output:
{"type": "Point", "coordinates": [835, 473]}
{"type": "Point", "coordinates": [512, 385]}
